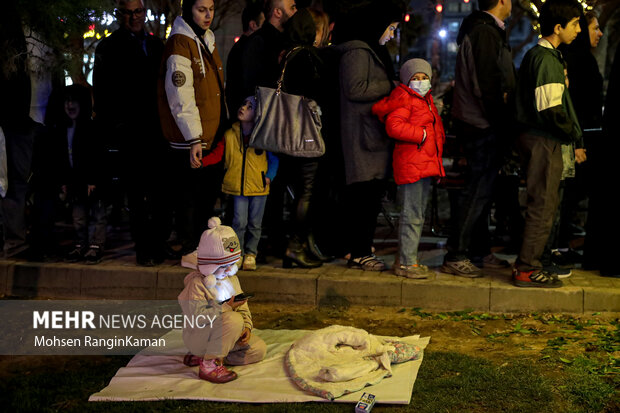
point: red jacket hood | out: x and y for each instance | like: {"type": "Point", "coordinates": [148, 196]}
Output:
{"type": "Point", "coordinates": [392, 102]}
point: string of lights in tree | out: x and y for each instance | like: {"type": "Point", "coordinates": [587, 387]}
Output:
{"type": "Point", "coordinates": [532, 8]}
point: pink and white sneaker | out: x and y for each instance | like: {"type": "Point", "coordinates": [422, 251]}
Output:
{"type": "Point", "coordinates": [214, 372]}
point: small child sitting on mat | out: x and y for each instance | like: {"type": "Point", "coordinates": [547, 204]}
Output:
{"type": "Point", "coordinates": [215, 284]}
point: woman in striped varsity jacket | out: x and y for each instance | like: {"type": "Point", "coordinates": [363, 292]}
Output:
{"type": "Point", "coordinates": [192, 110]}
{"type": "Point", "coordinates": [191, 103]}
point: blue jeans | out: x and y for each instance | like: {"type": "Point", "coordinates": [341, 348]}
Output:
{"type": "Point", "coordinates": [247, 220]}
{"type": "Point", "coordinates": [413, 201]}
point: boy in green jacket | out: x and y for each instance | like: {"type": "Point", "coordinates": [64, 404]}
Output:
{"type": "Point", "coordinates": [546, 113]}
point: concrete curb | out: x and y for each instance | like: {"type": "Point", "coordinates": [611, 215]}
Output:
{"type": "Point", "coordinates": [332, 284]}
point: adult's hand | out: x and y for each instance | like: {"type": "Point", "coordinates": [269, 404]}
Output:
{"type": "Point", "coordinates": [580, 155]}
{"type": "Point", "coordinates": [195, 155]}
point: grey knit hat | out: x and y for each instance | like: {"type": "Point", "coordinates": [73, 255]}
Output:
{"type": "Point", "coordinates": [413, 66]}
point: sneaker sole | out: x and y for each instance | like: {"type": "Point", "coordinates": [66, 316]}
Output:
{"type": "Point", "coordinates": [449, 270]}
{"type": "Point", "coordinates": [530, 284]}
{"type": "Point", "coordinates": [411, 276]}
{"type": "Point", "coordinates": [357, 266]}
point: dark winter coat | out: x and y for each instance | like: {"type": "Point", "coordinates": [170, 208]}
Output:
{"type": "Point", "coordinates": [363, 81]}
{"type": "Point", "coordinates": [585, 80]}
{"type": "Point", "coordinates": [259, 61]}
{"type": "Point", "coordinates": [52, 167]}
{"type": "Point", "coordinates": [484, 74]}
{"type": "Point", "coordinates": [125, 79]}
{"type": "Point", "coordinates": [234, 76]}
{"type": "Point", "coordinates": [305, 69]}
{"type": "Point", "coordinates": [611, 123]}
{"type": "Point", "coordinates": [414, 122]}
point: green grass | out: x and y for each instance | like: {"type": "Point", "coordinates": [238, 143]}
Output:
{"type": "Point", "coordinates": [447, 382]}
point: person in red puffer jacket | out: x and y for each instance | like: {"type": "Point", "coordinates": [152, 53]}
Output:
{"type": "Point", "coordinates": [411, 118]}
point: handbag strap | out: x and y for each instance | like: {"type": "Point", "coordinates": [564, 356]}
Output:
{"type": "Point", "coordinates": [281, 80]}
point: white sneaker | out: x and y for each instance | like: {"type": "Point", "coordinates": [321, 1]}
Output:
{"type": "Point", "coordinates": [249, 262]}
{"type": "Point", "coordinates": [190, 260]}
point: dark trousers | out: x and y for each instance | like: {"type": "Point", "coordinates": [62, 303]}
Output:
{"type": "Point", "coordinates": [19, 145]}
{"type": "Point", "coordinates": [299, 175]}
{"type": "Point", "coordinates": [542, 163]}
{"type": "Point", "coordinates": [89, 221]}
{"type": "Point", "coordinates": [363, 204]}
{"type": "Point", "coordinates": [195, 192]}
{"type": "Point", "coordinates": [145, 179]}
{"type": "Point", "coordinates": [484, 154]}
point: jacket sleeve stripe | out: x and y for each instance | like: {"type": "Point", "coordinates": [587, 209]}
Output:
{"type": "Point", "coordinates": [548, 96]}
{"type": "Point", "coordinates": [179, 85]}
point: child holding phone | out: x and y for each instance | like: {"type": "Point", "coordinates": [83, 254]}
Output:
{"type": "Point", "coordinates": [215, 284]}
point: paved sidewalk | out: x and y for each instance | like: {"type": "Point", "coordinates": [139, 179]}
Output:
{"type": "Point", "coordinates": [117, 277]}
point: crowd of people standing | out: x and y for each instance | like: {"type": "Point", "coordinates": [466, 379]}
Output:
{"type": "Point", "coordinates": [174, 129]}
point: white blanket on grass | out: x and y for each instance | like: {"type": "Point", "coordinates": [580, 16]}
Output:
{"type": "Point", "coordinates": [339, 360]}
{"type": "Point", "coordinates": [150, 378]}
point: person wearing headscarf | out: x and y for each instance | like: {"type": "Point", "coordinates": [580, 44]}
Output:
{"type": "Point", "coordinates": [303, 74]}
{"type": "Point", "coordinates": [366, 76]}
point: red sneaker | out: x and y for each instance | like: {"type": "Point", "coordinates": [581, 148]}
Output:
{"type": "Point", "coordinates": [191, 361]}
{"type": "Point", "coordinates": [214, 372]}
{"type": "Point", "coordinates": [535, 278]}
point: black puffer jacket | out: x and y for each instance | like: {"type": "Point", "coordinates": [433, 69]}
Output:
{"type": "Point", "coordinates": [484, 74]}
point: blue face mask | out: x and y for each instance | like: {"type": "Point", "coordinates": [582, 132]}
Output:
{"type": "Point", "coordinates": [420, 86]}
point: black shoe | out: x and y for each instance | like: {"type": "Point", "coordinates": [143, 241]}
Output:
{"type": "Point", "coordinates": [93, 255]}
{"type": "Point", "coordinates": [75, 255]}
{"type": "Point", "coordinates": [300, 258]}
{"type": "Point", "coordinates": [566, 259]}
{"type": "Point", "coordinates": [560, 272]}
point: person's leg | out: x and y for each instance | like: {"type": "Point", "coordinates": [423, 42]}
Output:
{"type": "Point", "coordinates": [255, 218]}
{"type": "Point", "coordinates": [482, 152]}
{"type": "Point", "coordinates": [221, 342]}
{"type": "Point", "coordinates": [207, 184]}
{"type": "Point", "coordinates": [240, 219]}
{"type": "Point", "coordinates": [480, 241]}
{"type": "Point", "coordinates": [414, 197]}
{"type": "Point", "coordinates": [252, 352]}
{"type": "Point", "coordinates": [364, 207]}
{"type": "Point", "coordinates": [367, 201]}
{"type": "Point", "coordinates": [224, 337]}
{"type": "Point", "coordinates": [182, 191]}
{"type": "Point", "coordinates": [98, 214]}
{"type": "Point", "coordinates": [543, 166]}
{"type": "Point", "coordinates": [80, 223]}
{"type": "Point", "coordinates": [303, 190]}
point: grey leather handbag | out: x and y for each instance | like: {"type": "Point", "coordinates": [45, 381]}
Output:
{"type": "Point", "coordinates": [287, 124]}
